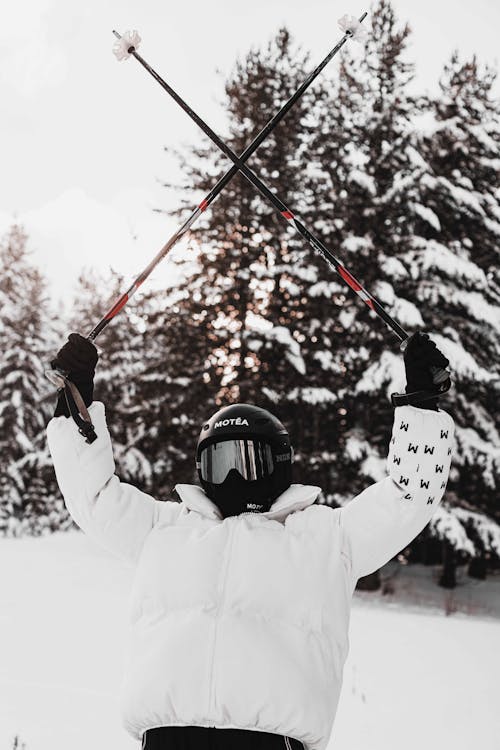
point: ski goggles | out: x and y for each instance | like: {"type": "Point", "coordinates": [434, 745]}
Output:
{"type": "Point", "coordinates": [252, 459]}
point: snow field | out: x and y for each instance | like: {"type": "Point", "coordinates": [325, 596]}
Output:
{"type": "Point", "coordinates": [418, 680]}
{"type": "Point", "coordinates": [414, 678]}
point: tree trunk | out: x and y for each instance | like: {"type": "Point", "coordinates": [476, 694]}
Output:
{"type": "Point", "coordinates": [448, 579]}
{"type": "Point", "coordinates": [478, 568]}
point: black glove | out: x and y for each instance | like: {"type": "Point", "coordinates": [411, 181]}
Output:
{"type": "Point", "coordinates": [421, 354]}
{"type": "Point", "coordinates": [78, 359]}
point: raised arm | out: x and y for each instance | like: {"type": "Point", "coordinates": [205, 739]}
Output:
{"type": "Point", "coordinates": [387, 516]}
{"type": "Point", "coordinates": [116, 515]}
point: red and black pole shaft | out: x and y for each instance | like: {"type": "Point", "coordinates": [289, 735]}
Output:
{"type": "Point", "coordinates": [217, 189]}
{"type": "Point", "coordinates": [440, 376]}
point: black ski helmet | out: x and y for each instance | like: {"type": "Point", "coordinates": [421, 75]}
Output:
{"type": "Point", "coordinates": [244, 459]}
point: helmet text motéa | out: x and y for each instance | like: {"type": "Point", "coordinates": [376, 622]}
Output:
{"type": "Point", "coordinates": [235, 422]}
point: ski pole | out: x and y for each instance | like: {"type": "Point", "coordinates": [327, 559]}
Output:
{"type": "Point", "coordinates": [60, 379]}
{"type": "Point", "coordinates": [440, 376]}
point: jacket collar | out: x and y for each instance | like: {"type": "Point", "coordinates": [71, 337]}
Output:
{"type": "Point", "coordinates": [296, 497]}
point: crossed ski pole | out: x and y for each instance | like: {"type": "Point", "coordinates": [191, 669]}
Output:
{"type": "Point", "coordinates": [59, 378]}
{"type": "Point", "coordinates": [441, 377]}
{"type": "Point", "coordinates": [128, 44]}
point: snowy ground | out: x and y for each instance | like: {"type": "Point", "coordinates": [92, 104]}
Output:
{"type": "Point", "coordinates": [414, 678]}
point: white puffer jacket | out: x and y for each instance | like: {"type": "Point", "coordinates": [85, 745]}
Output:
{"type": "Point", "coordinates": [243, 622]}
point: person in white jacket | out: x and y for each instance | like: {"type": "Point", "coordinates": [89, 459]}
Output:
{"type": "Point", "coordinates": [242, 591]}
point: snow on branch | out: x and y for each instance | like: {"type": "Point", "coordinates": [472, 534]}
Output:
{"type": "Point", "coordinates": [364, 181]}
{"type": "Point", "coordinates": [485, 529]}
{"type": "Point", "coordinates": [475, 451]}
{"type": "Point", "coordinates": [493, 226]}
{"type": "Point", "coordinates": [478, 308]}
{"type": "Point", "coordinates": [328, 361]}
{"type": "Point", "coordinates": [326, 289]}
{"type": "Point", "coordinates": [353, 244]}
{"type": "Point", "coordinates": [430, 254]}
{"type": "Point", "coordinates": [462, 363]}
{"type": "Point", "coordinates": [356, 448]}
{"type": "Point", "coordinates": [444, 524]}
{"type": "Point", "coordinates": [388, 371]}
{"type": "Point", "coordinates": [272, 395]}
{"type": "Point", "coordinates": [461, 196]}
{"type": "Point", "coordinates": [407, 314]}
{"type": "Point", "coordinates": [393, 268]}
{"type": "Point", "coordinates": [313, 396]}
{"type": "Point", "coordinates": [282, 335]}
{"type": "Point", "coordinates": [466, 531]}
{"type": "Point", "coordinates": [428, 215]}
{"type": "Point", "coordinates": [402, 309]}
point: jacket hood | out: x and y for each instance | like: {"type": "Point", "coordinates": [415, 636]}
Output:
{"type": "Point", "coordinates": [296, 497]}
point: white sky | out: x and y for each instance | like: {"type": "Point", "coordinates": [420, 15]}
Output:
{"type": "Point", "coordinates": [82, 135]}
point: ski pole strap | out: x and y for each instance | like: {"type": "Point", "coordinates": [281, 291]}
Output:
{"type": "Point", "coordinates": [79, 412]}
{"type": "Point", "coordinates": [415, 398]}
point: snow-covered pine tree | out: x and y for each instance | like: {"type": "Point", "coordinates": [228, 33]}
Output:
{"type": "Point", "coordinates": [463, 143]}
{"type": "Point", "coordinates": [403, 236]}
{"type": "Point", "coordinates": [29, 502]}
{"type": "Point", "coordinates": [460, 250]}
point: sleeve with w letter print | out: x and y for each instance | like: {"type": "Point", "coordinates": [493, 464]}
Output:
{"type": "Point", "coordinates": [387, 516]}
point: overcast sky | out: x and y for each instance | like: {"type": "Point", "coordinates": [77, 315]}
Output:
{"type": "Point", "coordinates": [82, 135]}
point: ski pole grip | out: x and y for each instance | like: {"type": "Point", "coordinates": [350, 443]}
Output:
{"type": "Point", "coordinates": [440, 376]}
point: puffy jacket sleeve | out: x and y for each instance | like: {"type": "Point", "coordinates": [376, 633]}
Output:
{"type": "Point", "coordinates": [116, 515]}
{"type": "Point", "coordinates": [387, 516]}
